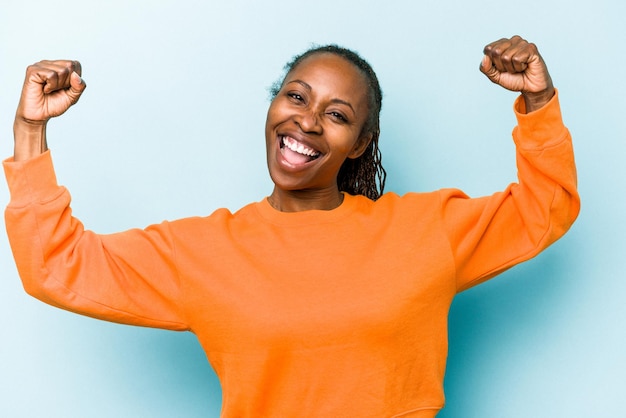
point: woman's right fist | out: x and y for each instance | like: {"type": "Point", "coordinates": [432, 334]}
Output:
{"type": "Point", "coordinates": [50, 88]}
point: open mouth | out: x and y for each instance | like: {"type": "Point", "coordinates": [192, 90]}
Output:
{"type": "Point", "coordinates": [295, 152]}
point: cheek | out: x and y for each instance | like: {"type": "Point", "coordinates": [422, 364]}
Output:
{"type": "Point", "coordinates": [276, 110]}
{"type": "Point", "coordinates": [271, 119]}
{"type": "Point", "coordinates": [346, 140]}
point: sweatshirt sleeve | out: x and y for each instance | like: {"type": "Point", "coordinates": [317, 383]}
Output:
{"type": "Point", "coordinates": [128, 277]}
{"type": "Point", "coordinates": [491, 234]}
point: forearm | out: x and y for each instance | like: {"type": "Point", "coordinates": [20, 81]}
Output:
{"type": "Point", "coordinates": [30, 139]}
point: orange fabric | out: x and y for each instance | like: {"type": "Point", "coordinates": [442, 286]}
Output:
{"type": "Point", "coordinates": [338, 313]}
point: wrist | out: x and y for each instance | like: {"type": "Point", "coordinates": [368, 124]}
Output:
{"type": "Point", "coordinates": [535, 101]}
{"type": "Point", "coordinates": [30, 139]}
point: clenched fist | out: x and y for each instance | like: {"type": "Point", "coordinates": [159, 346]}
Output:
{"type": "Point", "coordinates": [516, 64]}
{"type": "Point", "coordinates": [50, 88]}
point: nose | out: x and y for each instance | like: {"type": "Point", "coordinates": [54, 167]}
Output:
{"type": "Point", "coordinates": [308, 121]}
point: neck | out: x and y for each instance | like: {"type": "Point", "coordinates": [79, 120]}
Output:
{"type": "Point", "coordinates": [301, 200]}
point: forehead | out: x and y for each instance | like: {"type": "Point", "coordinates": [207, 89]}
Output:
{"type": "Point", "coordinates": [331, 73]}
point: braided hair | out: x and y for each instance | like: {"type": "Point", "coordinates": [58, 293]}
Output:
{"type": "Point", "coordinates": [364, 175]}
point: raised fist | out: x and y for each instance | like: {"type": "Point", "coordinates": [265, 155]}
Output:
{"type": "Point", "coordinates": [516, 64]}
{"type": "Point", "coordinates": [50, 88]}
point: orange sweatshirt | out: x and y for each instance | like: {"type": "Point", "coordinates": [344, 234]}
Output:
{"type": "Point", "coordinates": [339, 313]}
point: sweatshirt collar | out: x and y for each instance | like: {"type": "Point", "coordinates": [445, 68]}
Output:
{"type": "Point", "coordinates": [349, 205]}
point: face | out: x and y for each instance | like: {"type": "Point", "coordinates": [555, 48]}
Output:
{"type": "Point", "coordinates": [315, 122]}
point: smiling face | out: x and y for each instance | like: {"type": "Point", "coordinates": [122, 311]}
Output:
{"type": "Point", "coordinates": [313, 124]}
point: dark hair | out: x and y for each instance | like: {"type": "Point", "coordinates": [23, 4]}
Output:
{"type": "Point", "coordinates": [364, 175]}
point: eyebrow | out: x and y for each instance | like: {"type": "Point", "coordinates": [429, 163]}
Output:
{"type": "Point", "coordinates": [335, 100]}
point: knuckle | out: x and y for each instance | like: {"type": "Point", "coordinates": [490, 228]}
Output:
{"type": "Point", "coordinates": [66, 69]}
{"type": "Point", "coordinates": [518, 59]}
{"type": "Point", "coordinates": [33, 68]}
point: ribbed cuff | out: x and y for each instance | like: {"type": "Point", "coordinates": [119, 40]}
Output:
{"type": "Point", "coordinates": [541, 128]}
{"type": "Point", "coordinates": [32, 180]}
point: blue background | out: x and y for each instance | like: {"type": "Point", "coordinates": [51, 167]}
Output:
{"type": "Point", "coordinates": [172, 125]}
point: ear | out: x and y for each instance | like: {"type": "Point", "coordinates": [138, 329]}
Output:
{"type": "Point", "coordinates": [361, 145]}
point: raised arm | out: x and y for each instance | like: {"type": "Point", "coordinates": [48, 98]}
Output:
{"type": "Point", "coordinates": [50, 88]}
{"type": "Point", "coordinates": [129, 277]}
{"type": "Point", "coordinates": [492, 233]}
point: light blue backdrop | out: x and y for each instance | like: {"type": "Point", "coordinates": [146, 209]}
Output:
{"type": "Point", "coordinates": [171, 125]}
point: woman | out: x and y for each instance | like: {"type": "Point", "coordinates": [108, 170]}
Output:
{"type": "Point", "coordinates": [327, 298]}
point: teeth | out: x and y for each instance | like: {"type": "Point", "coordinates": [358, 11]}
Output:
{"type": "Point", "coordinates": [298, 147]}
